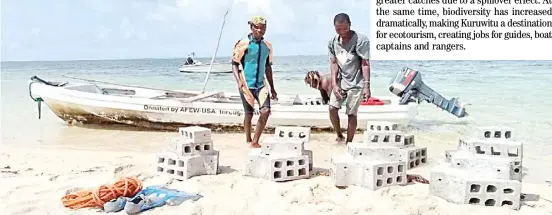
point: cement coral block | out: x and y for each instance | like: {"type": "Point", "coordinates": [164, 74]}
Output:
{"type": "Point", "coordinates": [380, 174]}
{"type": "Point", "coordinates": [186, 147]}
{"type": "Point", "coordinates": [183, 168]}
{"type": "Point", "coordinates": [361, 151]}
{"type": "Point", "coordinates": [495, 147]}
{"type": "Point", "coordinates": [487, 166]}
{"type": "Point", "coordinates": [282, 147]}
{"type": "Point", "coordinates": [383, 126]}
{"type": "Point", "coordinates": [388, 139]}
{"type": "Point", "coordinates": [413, 156]}
{"type": "Point", "coordinates": [195, 133]}
{"type": "Point", "coordinates": [277, 168]}
{"type": "Point", "coordinates": [310, 155]}
{"type": "Point", "coordinates": [293, 132]}
{"type": "Point", "coordinates": [464, 187]}
{"type": "Point", "coordinates": [344, 171]}
{"type": "Point", "coordinates": [493, 132]}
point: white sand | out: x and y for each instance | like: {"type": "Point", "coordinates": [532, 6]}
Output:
{"type": "Point", "coordinates": [38, 177]}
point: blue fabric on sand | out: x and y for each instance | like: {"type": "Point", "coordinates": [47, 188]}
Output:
{"type": "Point", "coordinates": [155, 196]}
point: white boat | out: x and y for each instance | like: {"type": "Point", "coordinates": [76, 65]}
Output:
{"type": "Point", "coordinates": [95, 102]}
{"type": "Point", "coordinates": [204, 68]}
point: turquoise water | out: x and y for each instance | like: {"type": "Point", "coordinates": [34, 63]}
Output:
{"type": "Point", "coordinates": [510, 93]}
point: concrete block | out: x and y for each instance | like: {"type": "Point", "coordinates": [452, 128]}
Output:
{"type": "Point", "coordinates": [344, 171]}
{"type": "Point", "coordinates": [388, 139]}
{"type": "Point", "coordinates": [291, 132]}
{"type": "Point", "coordinates": [379, 174]}
{"type": "Point", "coordinates": [449, 154]}
{"type": "Point", "coordinates": [277, 168]}
{"type": "Point", "coordinates": [413, 156]}
{"type": "Point", "coordinates": [286, 147]}
{"type": "Point", "coordinates": [183, 168]}
{"type": "Point", "coordinates": [360, 151]}
{"type": "Point", "coordinates": [309, 154]}
{"type": "Point", "coordinates": [383, 126]}
{"type": "Point", "coordinates": [463, 187]}
{"type": "Point", "coordinates": [494, 147]}
{"type": "Point", "coordinates": [184, 146]}
{"type": "Point", "coordinates": [487, 166]}
{"type": "Point", "coordinates": [493, 132]}
{"type": "Point", "coordinates": [196, 133]}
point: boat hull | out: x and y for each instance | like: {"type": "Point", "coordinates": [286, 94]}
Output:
{"type": "Point", "coordinates": [217, 68]}
{"type": "Point", "coordinates": [86, 108]}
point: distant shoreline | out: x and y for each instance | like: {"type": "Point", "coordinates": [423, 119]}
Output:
{"type": "Point", "coordinates": [130, 59]}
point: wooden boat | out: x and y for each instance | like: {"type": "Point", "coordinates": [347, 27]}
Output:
{"type": "Point", "coordinates": [96, 102]}
{"type": "Point", "coordinates": [204, 68]}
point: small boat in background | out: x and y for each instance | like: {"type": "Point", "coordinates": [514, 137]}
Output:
{"type": "Point", "coordinates": [191, 65]}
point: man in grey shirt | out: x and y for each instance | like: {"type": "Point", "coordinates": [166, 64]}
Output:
{"type": "Point", "coordinates": [349, 54]}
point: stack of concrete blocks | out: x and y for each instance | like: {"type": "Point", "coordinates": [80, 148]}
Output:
{"type": "Point", "coordinates": [485, 170]}
{"type": "Point", "coordinates": [282, 157]}
{"type": "Point", "coordinates": [381, 160]}
{"type": "Point", "coordinates": [190, 154]}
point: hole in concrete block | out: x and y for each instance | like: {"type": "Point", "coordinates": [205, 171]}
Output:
{"type": "Point", "coordinates": [181, 163]}
{"type": "Point", "coordinates": [344, 167]}
{"type": "Point", "coordinates": [387, 128]}
{"type": "Point", "coordinates": [423, 160]}
{"type": "Point", "coordinates": [386, 139]}
{"type": "Point", "coordinates": [497, 134]}
{"type": "Point", "coordinates": [207, 147]}
{"type": "Point", "coordinates": [475, 188]}
{"type": "Point", "coordinates": [172, 162]}
{"type": "Point", "coordinates": [458, 164]}
{"type": "Point", "coordinates": [478, 150]}
{"type": "Point", "coordinates": [411, 164]}
{"type": "Point", "coordinates": [187, 149]}
{"type": "Point", "coordinates": [277, 174]}
{"type": "Point", "coordinates": [380, 170]}
{"type": "Point", "coordinates": [400, 168]}
{"type": "Point", "coordinates": [398, 138]}
{"type": "Point", "coordinates": [474, 201]}
{"type": "Point", "coordinates": [490, 202]}
{"type": "Point", "coordinates": [389, 169]}
{"type": "Point", "coordinates": [513, 152]}
{"type": "Point", "coordinates": [160, 160]}
{"type": "Point", "coordinates": [186, 134]}
{"type": "Point", "coordinates": [289, 173]}
{"type": "Point", "coordinates": [170, 171]}
{"type": "Point", "coordinates": [180, 173]}
{"type": "Point", "coordinates": [160, 169]}
{"type": "Point", "coordinates": [493, 152]}
{"type": "Point", "coordinates": [491, 189]}
{"type": "Point", "coordinates": [424, 152]}
{"type": "Point", "coordinates": [399, 179]}
{"type": "Point", "coordinates": [379, 183]}
{"type": "Point", "coordinates": [516, 170]}
{"type": "Point", "coordinates": [406, 141]}
{"type": "Point", "coordinates": [289, 163]}
{"type": "Point", "coordinates": [506, 202]}
{"type": "Point", "coordinates": [395, 127]}
{"type": "Point", "coordinates": [379, 128]}
{"type": "Point", "coordinates": [498, 170]}
{"type": "Point", "coordinates": [374, 138]}
{"type": "Point", "coordinates": [417, 154]}
{"type": "Point", "coordinates": [487, 134]}
{"type": "Point", "coordinates": [417, 162]}
{"type": "Point", "coordinates": [508, 134]}
{"type": "Point", "coordinates": [508, 190]}
{"type": "Point", "coordinates": [360, 153]}
{"type": "Point", "coordinates": [412, 155]}
{"type": "Point", "coordinates": [301, 162]}
{"type": "Point", "coordinates": [197, 147]}
{"type": "Point", "coordinates": [517, 163]}
{"type": "Point", "coordinates": [302, 171]}
{"type": "Point", "coordinates": [372, 127]}
{"type": "Point", "coordinates": [389, 180]}
{"type": "Point", "coordinates": [278, 164]}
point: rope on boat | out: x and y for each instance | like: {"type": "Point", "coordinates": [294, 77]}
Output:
{"type": "Point", "coordinates": [38, 100]}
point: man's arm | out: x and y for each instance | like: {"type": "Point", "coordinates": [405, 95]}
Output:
{"type": "Point", "coordinates": [237, 55]}
{"type": "Point", "coordinates": [268, 70]}
{"type": "Point", "coordinates": [325, 97]}
{"type": "Point", "coordinates": [363, 50]}
{"type": "Point", "coordinates": [333, 63]}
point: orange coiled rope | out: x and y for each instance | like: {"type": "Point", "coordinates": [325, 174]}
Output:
{"type": "Point", "coordinates": [124, 187]}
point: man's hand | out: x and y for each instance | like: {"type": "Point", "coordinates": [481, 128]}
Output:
{"type": "Point", "coordinates": [240, 86]}
{"type": "Point", "coordinates": [273, 95]}
{"type": "Point", "coordinates": [367, 93]}
{"type": "Point", "coordinates": [337, 92]}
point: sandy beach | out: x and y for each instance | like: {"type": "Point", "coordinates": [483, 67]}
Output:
{"type": "Point", "coordinates": [36, 177]}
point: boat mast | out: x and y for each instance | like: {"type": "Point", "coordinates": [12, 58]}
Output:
{"type": "Point", "coordinates": [216, 50]}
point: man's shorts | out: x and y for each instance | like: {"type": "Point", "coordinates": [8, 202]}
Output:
{"type": "Point", "coordinates": [256, 92]}
{"type": "Point", "coordinates": [353, 97]}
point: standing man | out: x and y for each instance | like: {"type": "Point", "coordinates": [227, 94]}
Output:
{"type": "Point", "coordinates": [254, 54]}
{"type": "Point", "coordinates": [349, 53]}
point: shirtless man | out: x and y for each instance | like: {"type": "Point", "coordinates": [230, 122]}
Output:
{"type": "Point", "coordinates": [321, 83]}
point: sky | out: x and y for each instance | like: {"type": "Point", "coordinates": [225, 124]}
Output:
{"type": "Point", "coordinates": [43, 30]}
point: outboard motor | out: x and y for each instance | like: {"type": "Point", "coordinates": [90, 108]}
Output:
{"type": "Point", "coordinates": [408, 85]}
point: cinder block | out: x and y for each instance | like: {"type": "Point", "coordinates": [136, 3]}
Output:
{"type": "Point", "coordinates": [379, 174]}
{"type": "Point", "coordinates": [413, 156]}
{"type": "Point", "coordinates": [383, 126]}
{"type": "Point", "coordinates": [449, 154]}
{"type": "Point", "coordinates": [487, 166]}
{"type": "Point", "coordinates": [195, 133]}
{"type": "Point", "coordinates": [344, 171]}
{"type": "Point", "coordinates": [463, 187]}
{"type": "Point", "coordinates": [186, 147]}
{"type": "Point", "coordinates": [360, 151]}
{"type": "Point", "coordinates": [290, 132]}
{"type": "Point", "coordinates": [388, 139]}
{"type": "Point", "coordinates": [282, 147]}
{"type": "Point", "coordinates": [494, 147]}
{"type": "Point", "coordinates": [277, 168]}
{"type": "Point", "coordinates": [183, 168]}
{"type": "Point", "coordinates": [493, 132]}
{"type": "Point", "coordinates": [309, 154]}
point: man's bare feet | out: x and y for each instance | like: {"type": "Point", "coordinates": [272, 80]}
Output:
{"type": "Point", "coordinates": [340, 140]}
{"type": "Point", "coordinates": [255, 145]}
